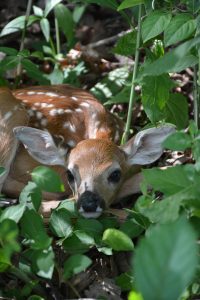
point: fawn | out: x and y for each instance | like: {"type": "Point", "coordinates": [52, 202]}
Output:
{"type": "Point", "coordinates": [69, 129]}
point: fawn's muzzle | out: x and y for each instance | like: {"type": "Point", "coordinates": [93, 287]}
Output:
{"type": "Point", "coordinates": [90, 205]}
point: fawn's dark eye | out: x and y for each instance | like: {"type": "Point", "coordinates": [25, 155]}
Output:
{"type": "Point", "coordinates": [70, 176]}
{"type": "Point", "coordinates": [115, 176]}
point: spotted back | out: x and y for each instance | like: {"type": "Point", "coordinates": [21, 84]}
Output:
{"type": "Point", "coordinates": [69, 113]}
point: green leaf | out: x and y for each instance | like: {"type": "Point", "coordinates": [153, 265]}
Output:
{"type": "Point", "coordinates": [117, 240]}
{"type": "Point", "coordinates": [14, 212]}
{"type": "Point", "coordinates": [168, 181]}
{"type": "Point", "coordinates": [129, 3]}
{"type": "Point", "coordinates": [90, 226]}
{"type": "Point", "coordinates": [78, 12]}
{"type": "Point", "coordinates": [135, 296]}
{"type": "Point", "coordinates": [37, 11]}
{"type": "Point", "coordinates": [84, 237]}
{"type": "Point", "coordinates": [45, 27]}
{"type": "Point", "coordinates": [176, 111]}
{"type": "Point", "coordinates": [155, 94]}
{"type": "Point", "coordinates": [17, 24]}
{"type": "Point", "coordinates": [175, 60]}
{"type": "Point", "coordinates": [180, 28]}
{"type": "Point", "coordinates": [55, 77]}
{"type": "Point", "coordinates": [33, 229]}
{"type": "Point", "coordinates": [154, 24]}
{"type": "Point", "coordinates": [42, 262]}
{"type": "Point", "coordinates": [31, 195]}
{"type": "Point", "coordinates": [9, 62]}
{"type": "Point", "coordinates": [47, 179]}
{"type": "Point", "coordinates": [74, 245]}
{"type": "Point", "coordinates": [169, 252]}
{"type": "Point", "coordinates": [75, 264]}
{"type": "Point", "coordinates": [125, 281]}
{"type": "Point", "coordinates": [131, 228]}
{"type": "Point", "coordinates": [65, 21]}
{"type": "Point", "coordinates": [108, 3]}
{"type": "Point", "coordinates": [126, 44]}
{"type": "Point", "coordinates": [60, 223]}
{"type": "Point", "coordinates": [33, 71]}
{"type": "Point", "coordinates": [8, 51]}
{"type": "Point", "coordinates": [50, 4]}
{"type": "Point", "coordinates": [178, 141]}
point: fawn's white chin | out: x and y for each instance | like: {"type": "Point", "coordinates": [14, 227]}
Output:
{"type": "Point", "coordinates": [91, 215]}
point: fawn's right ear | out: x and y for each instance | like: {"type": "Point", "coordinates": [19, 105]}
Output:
{"type": "Point", "coordinates": [40, 145]}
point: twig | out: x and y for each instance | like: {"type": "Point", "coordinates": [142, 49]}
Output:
{"type": "Point", "coordinates": [57, 35]}
{"type": "Point", "coordinates": [19, 69]}
{"type": "Point", "coordinates": [132, 93]}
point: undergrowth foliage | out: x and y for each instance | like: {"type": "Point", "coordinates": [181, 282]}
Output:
{"type": "Point", "coordinates": [165, 260]}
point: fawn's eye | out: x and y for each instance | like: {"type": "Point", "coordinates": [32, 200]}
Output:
{"type": "Point", "coordinates": [70, 176]}
{"type": "Point", "coordinates": [115, 176]}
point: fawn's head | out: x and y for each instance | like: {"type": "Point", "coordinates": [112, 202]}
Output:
{"type": "Point", "coordinates": [99, 172]}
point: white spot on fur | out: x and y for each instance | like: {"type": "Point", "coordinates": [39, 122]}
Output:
{"type": "Point", "coordinates": [30, 112]}
{"type": "Point", "coordinates": [19, 94]}
{"type": "Point", "coordinates": [51, 94]}
{"type": "Point", "coordinates": [60, 111]}
{"type": "Point", "coordinates": [74, 98]}
{"type": "Point", "coordinates": [53, 112]}
{"type": "Point", "coordinates": [68, 111]}
{"type": "Point", "coordinates": [94, 115]}
{"type": "Point", "coordinates": [39, 115]}
{"type": "Point", "coordinates": [70, 126]}
{"type": "Point", "coordinates": [85, 104]}
{"type": "Point", "coordinates": [50, 105]}
{"type": "Point", "coordinates": [62, 96]}
{"type": "Point", "coordinates": [40, 93]}
{"type": "Point", "coordinates": [78, 110]}
{"type": "Point", "coordinates": [37, 104]}
{"type": "Point", "coordinates": [25, 101]}
{"type": "Point", "coordinates": [31, 93]}
{"type": "Point", "coordinates": [44, 122]}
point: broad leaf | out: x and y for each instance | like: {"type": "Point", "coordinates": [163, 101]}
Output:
{"type": "Point", "coordinates": [8, 50]}
{"type": "Point", "coordinates": [17, 24]}
{"type": "Point", "coordinates": [178, 141]}
{"type": "Point", "coordinates": [47, 179]}
{"type": "Point", "coordinates": [75, 264]}
{"type": "Point", "coordinates": [175, 60]}
{"type": "Point", "coordinates": [117, 240]}
{"type": "Point", "coordinates": [31, 195]}
{"type": "Point", "coordinates": [74, 245]}
{"type": "Point", "coordinates": [60, 223]}
{"type": "Point", "coordinates": [154, 24]}
{"type": "Point", "coordinates": [50, 4]}
{"type": "Point", "coordinates": [45, 26]}
{"type": "Point", "coordinates": [180, 28]}
{"type": "Point", "coordinates": [65, 21]}
{"type": "Point", "coordinates": [129, 3]}
{"type": "Point", "coordinates": [33, 229]}
{"type": "Point", "coordinates": [126, 44]}
{"type": "Point", "coordinates": [33, 71]}
{"type": "Point", "coordinates": [176, 111]}
{"type": "Point", "coordinates": [14, 212]}
{"type": "Point", "coordinates": [169, 252]}
{"type": "Point", "coordinates": [37, 11]}
{"type": "Point", "coordinates": [155, 94]}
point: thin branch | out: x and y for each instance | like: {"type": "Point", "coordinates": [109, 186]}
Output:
{"type": "Point", "coordinates": [135, 68]}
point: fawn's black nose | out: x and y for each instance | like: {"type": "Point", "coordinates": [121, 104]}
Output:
{"type": "Point", "coordinates": [90, 205]}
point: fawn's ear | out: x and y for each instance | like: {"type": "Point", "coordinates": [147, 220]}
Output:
{"type": "Point", "coordinates": [146, 146]}
{"type": "Point", "coordinates": [40, 145]}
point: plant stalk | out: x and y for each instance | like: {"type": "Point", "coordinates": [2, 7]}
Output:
{"type": "Point", "coordinates": [57, 36]}
{"type": "Point", "coordinates": [19, 67]}
{"type": "Point", "coordinates": [135, 68]}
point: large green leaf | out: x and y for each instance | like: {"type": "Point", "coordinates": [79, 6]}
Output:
{"type": "Point", "coordinates": [65, 21]}
{"type": "Point", "coordinates": [129, 3]}
{"type": "Point", "coordinates": [179, 141]}
{"type": "Point", "coordinates": [14, 212]}
{"type": "Point", "coordinates": [33, 229]}
{"type": "Point", "coordinates": [76, 264]}
{"type": "Point", "coordinates": [50, 4]}
{"type": "Point", "coordinates": [126, 44]}
{"type": "Point", "coordinates": [180, 28]}
{"type": "Point", "coordinates": [175, 60]}
{"type": "Point", "coordinates": [47, 179]}
{"type": "Point", "coordinates": [155, 94]}
{"type": "Point", "coordinates": [176, 110]}
{"type": "Point", "coordinates": [31, 195]}
{"type": "Point", "coordinates": [165, 261]}
{"type": "Point", "coordinates": [60, 223]}
{"type": "Point", "coordinates": [17, 24]}
{"type": "Point", "coordinates": [117, 240]}
{"type": "Point", "coordinates": [154, 24]}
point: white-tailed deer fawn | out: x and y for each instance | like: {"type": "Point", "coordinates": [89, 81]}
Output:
{"type": "Point", "coordinates": [76, 134]}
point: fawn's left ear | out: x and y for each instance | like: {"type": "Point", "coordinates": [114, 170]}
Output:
{"type": "Point", "coordinates": [146, 146]}
{"type": "Point", "coordinates": [40, 145]}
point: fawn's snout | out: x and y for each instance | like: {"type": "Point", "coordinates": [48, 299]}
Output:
{"type": "Point", "coordinates": [90, 204]}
